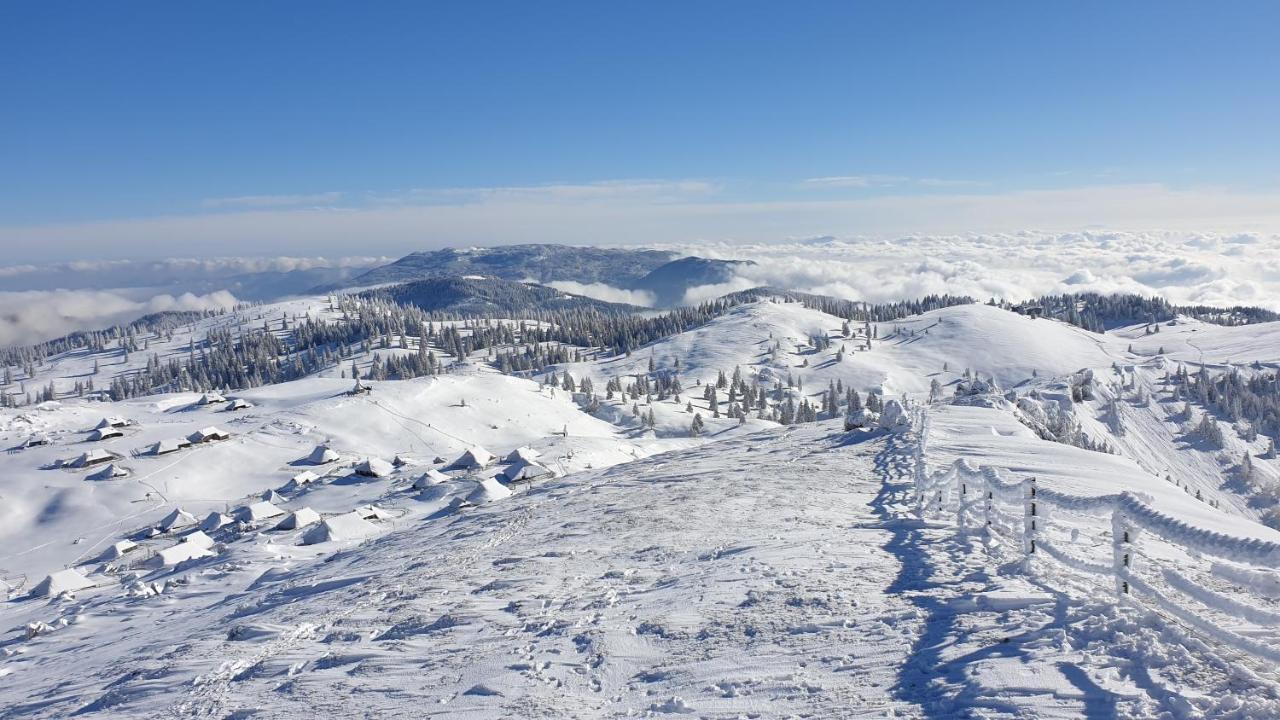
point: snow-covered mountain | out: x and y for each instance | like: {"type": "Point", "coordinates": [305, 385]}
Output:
{"type": "Point", "coordinates": [731, 519]}
{"type": "Point", "coordinates": [661, 276]}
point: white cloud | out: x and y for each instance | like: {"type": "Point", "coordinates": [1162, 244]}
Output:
{"type": "Point", "coordinates": [32, 316]}
{"type": "Point", "coordinates": [1185, 268]}
{"type": "Point", "coordinates": [270, 201]}
{"type": "Point", "coordinates": [608, 293]}
{"type": "Point", "coordinates": [640, 213]}
{"type": "Point", "coordinates": [854, 181]}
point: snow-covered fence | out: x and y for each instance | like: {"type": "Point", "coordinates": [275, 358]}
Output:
{"type": "Point", "coordinates": [982, 500]}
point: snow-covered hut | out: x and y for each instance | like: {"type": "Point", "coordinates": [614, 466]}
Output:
{"type": "Point", "coordinates": [105, 433]}
{"type": "Point", "coordinates": [199, 539]}
{"type": "Point", "coordinates": [430, 478]}
{"type": "Point", "coordinates": [177, 519]}
{"type": "Point", "coordinates": [238, 404]}
{"type": "Point", "coordinates": [207, 435]}
{"type": "Point", "coordinates": [114, 421]}
{"type": "Point", "coordinates": [372, 512]}
{"type": "Point", "coordinates": [340, 527]}
{"type": "Point", "coordinates": [474, 458]}
{"type": "Point", "coordinates": [211, 398]}
{"type": "Point", "coordinates": [523, 453]}
{"type": "Point", "coordinates": [92, 457]}
{"type": "Point", "coordinates": [260, 510]}
{"type": "Point", "coordinates": [487, 490]}
{"type": "Point", "coordinates": [299, 481]}
{"type": "Point", "coordinates": [525, 470]}
{"type": "Point", "coordinates": [215, 520]}
{"type": "Point", "coordinates": [169, 445]}
{"type": "Point", "coordinates": [322, 455]}
{"type": "Point", "coordinates": [36, 440]}
{"type": "Point", "coordinates": [68, 580]}
{"type": "Point", "coordinates": [109, 472]}
{"type": "Point", "coordinates": [299, 519]}
{"type": "Point", "coordinates": [374, 467]}
{"type": "Point", "coordinates": [177, 553]}
{"type": "Point", "coordinates": [118, 549]}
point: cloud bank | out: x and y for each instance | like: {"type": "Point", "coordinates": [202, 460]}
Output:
{"type": "Point", "coordinates": [1191, 268]}
{"type": "Point", "coordinates": [647, 212]}
{"type": "Point", "coordinates": [608, 293]}
{"type": "Point", "coordinates": [35, 315]}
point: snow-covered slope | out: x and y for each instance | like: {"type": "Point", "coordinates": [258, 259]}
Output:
{"type": "Point", "coordinates": [749, 570]}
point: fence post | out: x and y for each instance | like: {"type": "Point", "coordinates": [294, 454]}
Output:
{"type": "Point", "coordinates": [962, 490]}
{"type": "Point", "coordinates": [1123, 533]}
{"type": "Point", "coordinates": [1030, 518]}
{"type": "Point", "coordinates": [988, 506]}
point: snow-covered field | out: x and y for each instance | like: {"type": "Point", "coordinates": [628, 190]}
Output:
{"type": "Point", "coordinates": [754, 570]}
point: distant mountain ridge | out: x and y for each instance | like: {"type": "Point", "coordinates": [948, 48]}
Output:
{"type": "Point", "coordinates": [663, 274]}
{"type": "Point", "coordinates": [544, 263]}
{"type": "Point", "coordinates": [491, 297]}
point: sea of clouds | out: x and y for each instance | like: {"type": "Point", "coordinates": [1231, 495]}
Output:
{"type": "Point", "coordinates": [41, 302]}
{"type": "Point", "coordinates": [1187, 268]}
{"type": "Point", "coordinates": [1226, 269]}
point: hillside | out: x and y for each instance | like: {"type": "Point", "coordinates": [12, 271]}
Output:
{"type": "Point", "coordinates": [649, 552]}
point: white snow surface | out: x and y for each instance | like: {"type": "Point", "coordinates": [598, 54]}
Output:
{"type": "Point", "coordinates": [754, 571]}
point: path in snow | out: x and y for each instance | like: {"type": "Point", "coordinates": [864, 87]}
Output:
{"type": "Point", "coordinates": [768, 575]}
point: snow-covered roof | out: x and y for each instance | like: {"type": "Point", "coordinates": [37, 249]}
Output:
{"type": "Point", "coordinates": [372, 512]}
{"type": "Point", "coordinates": [93, 457]}
{"type": "Point", "coordinates": [321, 455]}
{"type": "Point", "coordinates": [260, 510]}
{"type": "Point", "coordinates": [36, 439]}
{"type": "Point", "coordinates": [198, 538]}
{"type": "Point", "coordinates": [105, 433]}
{"type": "Point", "coordinates": [525, 470]}
{"type": "Point", "coordinates": [68, 580]}
{"type": "Point", "coordinates": [474, 457]}
{"type": "Point", "coordinates": [118, 549]}
{"type": "Point", "coordinates": [214, 520]}
{"type": "Point", "coordinates": [525, 453]}
{"type": "Point", "coordinates": [211, 398]}
{"type": "Point", "coordinates": [168, 445]}
{"type": "Point", "coordinates": [239, 404]}
{"type": "Point", "coordinates": [340, 527]}
{"type": "Point", "coordinates": [179, 552]}
{"type": "Point", "coordinates": [178, 518]}
{"type": "Point", "coordinates": [107, 473]}
{"type": "Point", "coordinates": [114, 421]}
{"type": "Point", "coordinates": [304, 478]}
{"type": "Point", "coordinates": [208, 434]}
{"type": "Point", "coordinates": [272, 496]}
{"type": "Point", "coordinates": [488, 490]}
{"type": "Point", "coordinates": [299, 519]}
{"type": "Point", "coordinates": [429, 478]}
{"type": "Point", "coordinates": [374, 467]}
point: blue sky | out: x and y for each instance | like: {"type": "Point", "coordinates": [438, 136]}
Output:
{"type": "Point", "coordinates": [147, 124]}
